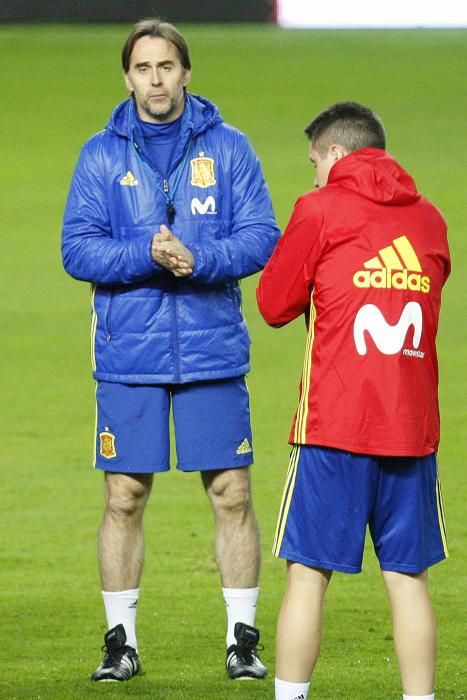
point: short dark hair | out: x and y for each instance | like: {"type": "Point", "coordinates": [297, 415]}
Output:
{"type": "Point", "coordinates": [154, 27]}
{"type": "Point", "coordinates": [346, 124]}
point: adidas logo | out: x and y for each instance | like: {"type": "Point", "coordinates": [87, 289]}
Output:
{"type": "Point", "coordinates": [244, 447]}
{"type": "Point", "coordinates": [129, 180]}
{"type": "Point", "coordinates": [394, 267]}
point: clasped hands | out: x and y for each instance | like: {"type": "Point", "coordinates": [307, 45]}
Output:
{"type": "Point", "coordinates": [169, 252]}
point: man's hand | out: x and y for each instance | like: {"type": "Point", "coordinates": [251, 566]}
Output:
{"type": "Point", "coordinates": [169, 251]}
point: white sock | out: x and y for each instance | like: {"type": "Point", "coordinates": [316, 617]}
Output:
{"type": "Point", "coordinates": [291, 691]}
{"type": "Point", "coordinates": [120, 608]}
{"type": "Point", "coordinates": [418, 697]}
{"type": "Point", "coordinates": [240, 604]}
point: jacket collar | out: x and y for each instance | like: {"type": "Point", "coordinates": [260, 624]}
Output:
{"type": "Point", "coordinates": [198, 116]}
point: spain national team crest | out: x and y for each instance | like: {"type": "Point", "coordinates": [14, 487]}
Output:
{"type": "Point", "coordinates": [107, 445]}
{"type": "Point", "coordinates": [202, 171]}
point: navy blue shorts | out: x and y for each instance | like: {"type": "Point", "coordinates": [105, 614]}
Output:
{"type": "Point", "coordinates": [331, 496]}
{"type": "Point", "coordinates": [211, 421]}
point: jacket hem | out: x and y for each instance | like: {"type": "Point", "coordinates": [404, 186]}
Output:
{"type": "Point", "coordinates": [372, 450]}
{"type": "Point", "coordinates": [170, 378]}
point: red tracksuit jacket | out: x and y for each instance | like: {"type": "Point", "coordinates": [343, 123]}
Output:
{"type": "Point", "coordinates": [365, 258]}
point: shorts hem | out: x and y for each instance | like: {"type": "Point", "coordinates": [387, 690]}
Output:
{"type": "Point", "coordinates": [412, 568]}
{"type": "Point", "coordinates": [132, 470]}
{"type": "Point", "coordinates": [197, 468]}
{"type": "Point", "coordinates": [298, 559]}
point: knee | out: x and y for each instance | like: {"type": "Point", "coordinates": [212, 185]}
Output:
{"type": "Point", "coordinates": [230, 493]}
{"type": "Point", "coordinates": [126, 496]}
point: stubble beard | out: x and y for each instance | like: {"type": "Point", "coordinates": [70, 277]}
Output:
{"type": "Point", "coordinates": [161, 113]}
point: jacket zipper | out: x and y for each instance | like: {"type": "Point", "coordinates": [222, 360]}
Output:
{"type": "Point", "coordinates": [170, 214]}
{"type": "Point", "coordinates": [176, 348]}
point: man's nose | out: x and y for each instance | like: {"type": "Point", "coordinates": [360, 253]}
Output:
{"type": "Point", "coordinates": [155, 76]}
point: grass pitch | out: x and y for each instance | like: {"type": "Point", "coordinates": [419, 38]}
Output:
{"type": "Point", "coordinates": [60, 86]}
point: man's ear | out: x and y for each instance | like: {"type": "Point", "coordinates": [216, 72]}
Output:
{"type": "Point", "coordinates": [186, 77]}
{"type": "Point", "coordinates": [129, 87]}
{"type": "Point", "coordinates": [337, 152]}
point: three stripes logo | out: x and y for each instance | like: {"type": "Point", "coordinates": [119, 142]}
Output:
{"type": "Point", "coordinates": [244, 448]}
{"type": "Point", "coordinates": [394, 267]}
{"type": "Point", "coordinates": [129, 180]}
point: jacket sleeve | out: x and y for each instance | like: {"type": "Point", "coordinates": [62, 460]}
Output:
{"type": "Point", "coordinates": [88, 250]}
{"type": "Point", "coordinates": [286, 283]}
{"type": "Point", "coordinates": [254, 232]}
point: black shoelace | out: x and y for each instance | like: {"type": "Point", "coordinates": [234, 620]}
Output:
{"type": "Point", "coordinates": [113, 656]}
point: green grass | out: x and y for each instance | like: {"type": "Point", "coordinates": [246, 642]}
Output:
{"type": "Point", "coordinates": [60, 84]}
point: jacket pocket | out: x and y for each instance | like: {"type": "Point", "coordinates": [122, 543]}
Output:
{"type": "Point", "coordinates": [101, 310]}
{"type": "Point", "coordinates": [108, 317]}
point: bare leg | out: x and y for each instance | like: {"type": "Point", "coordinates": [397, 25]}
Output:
{"type": "Point", "coordinates": [237, 534]}
{"type": "Point", "coordinates": [299, 627]}
{"type": "Point", "coordinates": [414, 629]}
{"type": "Point", "coordinates": [121, 536]}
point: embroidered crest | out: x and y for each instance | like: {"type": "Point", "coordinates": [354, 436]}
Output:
{"type": "Point", "coordinates": [107, 445]}
{"type": "Point", "coordinates": [129, 180]}
{"type": "Point", "coordinates": [202, 171]}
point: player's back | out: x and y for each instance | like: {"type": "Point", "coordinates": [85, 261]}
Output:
{"type": "Point", "coordinates": [370, 378]}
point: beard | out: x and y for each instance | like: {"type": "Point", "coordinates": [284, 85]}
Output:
{"type": "Point", "coordinates": [165, 111]}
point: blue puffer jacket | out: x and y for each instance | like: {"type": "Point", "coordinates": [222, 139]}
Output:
{"type": "Point", "coordinates": [149, 327]}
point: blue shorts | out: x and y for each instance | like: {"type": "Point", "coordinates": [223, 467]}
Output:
{"type": "Point", "coordinates": [211, 420]}
{"type": "Point", "coordinates": [331, 496]}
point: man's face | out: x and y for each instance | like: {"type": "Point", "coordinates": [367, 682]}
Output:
{"type": "Point", "coordinates": [157, 79]}
{"type": "Point", "coordinates": [322, 164]}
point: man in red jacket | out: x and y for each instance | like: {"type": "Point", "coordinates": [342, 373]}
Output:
{"type": "Point", "coordinates": [364, 257]}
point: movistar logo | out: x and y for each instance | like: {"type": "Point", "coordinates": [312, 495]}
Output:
{"type": "Point", "coordinates": [394, 267]}
{"type": "Point", "coordinates": [388, 339]}
{"type": "Point", "coordinates": [206, 207]}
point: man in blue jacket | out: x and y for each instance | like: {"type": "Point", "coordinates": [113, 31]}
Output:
{"type": "Point", "coordinates": [167, 211]}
